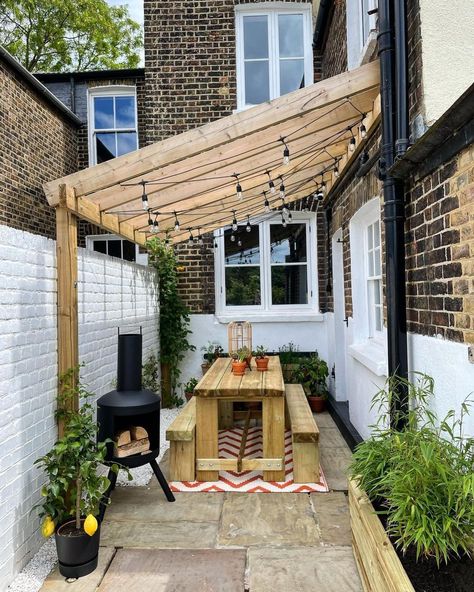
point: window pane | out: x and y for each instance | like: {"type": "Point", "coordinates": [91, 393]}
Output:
{"type": "Point", "coordinates": [290, 35]}
{"type": "Point", "coordinates": [114, 248]}
{"type": "Point", "coordinates": [378, 318]}
{"type": "Point", "coordinates": [371, 263]}
{"type": "Point", "coordinates": [377, 291]}
{"type": "Point", "coordinates": [257, 85]}
{"type": "Point", "coordinates": [377, 270]}
{"type": "Point", "coordinates": [125, 112]}
{"type": "Point", "coordinates": [126, 142]}
{"type": "Point", "coordinates": [370, 237]}
{"type": "Point", "coordinates": [128, 250]}
{"type": "Point", "coordinates": [100, 246]}
{"type": "Point", "coordinates": [105, 147]}
{"type": "Point", "coordinates": [248, 252]}
{"type": "Point", "coordinates": [289, 284]}
{"type": "Point", "coordinates": [365, 20]}
{"type": "Point", "coordinates": [291, 75]}
{"type": "Point", "coordinates": [242, 286]}
{"type": "Point", "coordinates": [103, 113]}
{"type": "Point", "coordinates": [377, 234]}
{"type": "Point", "coordinates": [288, 245]}
{"type": "Point", "coordinates": [255, 37]}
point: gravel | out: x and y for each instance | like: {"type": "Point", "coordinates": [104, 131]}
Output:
{"type": "Point", "coordinates": [31, 578]}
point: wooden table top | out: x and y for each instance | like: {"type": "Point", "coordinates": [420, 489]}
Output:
{"type": "Point", "coordinates": [220, 383]}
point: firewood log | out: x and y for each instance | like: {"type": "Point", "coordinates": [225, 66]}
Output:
{"type": "Point", "coordinates": [138, 433]}
{"type": "Point", "coordinates": [123, 437]}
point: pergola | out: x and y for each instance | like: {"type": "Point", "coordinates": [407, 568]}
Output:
{"type": "Point", "coordinates": [194, 177]}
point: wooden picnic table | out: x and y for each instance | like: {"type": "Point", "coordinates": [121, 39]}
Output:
{"type": "Point", "coordinates": [219, 384]}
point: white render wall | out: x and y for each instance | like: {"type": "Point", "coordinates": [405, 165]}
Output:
{"type": "Point", "coordinates": [112, 293]}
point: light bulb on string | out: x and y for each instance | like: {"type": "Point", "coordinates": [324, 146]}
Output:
{"type": "Point", "coordinates": [176, 222]}
{"type": "Point", "coordinates": [155, 225]}
{"type": "Point", "coordinates": [284, 207]}
{"type": "Point", "coordinates": [144, 197]}
{"type": "Point", "coordinates": [248, 227]}
{"type": "Point", "coordinates": [286, 153]}
{"type": "Point", "coordinates": [266, 203]}
{"type": "Point", "coordinates": [232, 238]}
{"type": "Point", "coordinates": [150, 222]}
{"type": "Point", "coordinates": [239, 243]}
{"type": "Point", "coordinates": [305, 204]}
{"type": "Point", "coordinates": [352, 141]}
{"type": "Point", "coordinates": [238, 188]}
{"type": "Point", "coordinates": [191, 238]}
{"type": "Point", "coordinates": [290, 216]}
{"type": "Point", "coordinates": [282, 189]}
{"type": "Point", "coordinates": [362, 128]}
{"type": "Point", "coordinates": [336, 168]}
{"type": "Point", "coordinates": [283, 221]}
{"type": "Point", "coordinates": [199, 238]}
{"type": "Point", "coordinates": [234, 223]}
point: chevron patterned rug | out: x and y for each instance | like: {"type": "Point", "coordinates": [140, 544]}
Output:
{"type": "Point", "coordinates": [251, 481]}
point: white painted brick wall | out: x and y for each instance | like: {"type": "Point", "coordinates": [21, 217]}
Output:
{"type": "Point", "coordinates": [112, 293]}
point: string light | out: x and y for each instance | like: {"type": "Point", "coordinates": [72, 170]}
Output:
{"type": "Point", "coordinates": [199, 238]}
{"type": "Point", "coordinates": [362, 128]}
{"type": "Point", "coordinates": [290, 216]}
{"type": "Point", "coordinates": [150, 222]}
{"type": "Point", "coordinates": [232, 237]}
{"type": "Point", "coordinates": [286, 153]}
{"type": "Point", "coordinates": [144, 196]}
{"type": "Point", "coordinates": [248, 228]}
{"type": "Point", "coordinates": [352, 141]}
{"type": "Point", "coordinates": [283, 221]}
{"type": "Point", "coordinates": [238, 188]}
{"type": "Point", "coordinates": [282, 189]}
{"type": "Point", "coordinates": [271, 184]}
{"type": "Point", "coordinates": [239, 243]}
{"type": "Point", "coordinates": [336, 168]}
{"type": "Point", "coordinates": [176, 222]}
{"type": "Point", "coordinates": [234, 223]}
{"type": "Point", "coordinates": [284, 208]}
{"type": "Point", "coordinates": [266, 203]}
{"type": "Point", "coordinates": [305, 204]}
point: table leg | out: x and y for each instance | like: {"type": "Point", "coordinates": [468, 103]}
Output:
{"type": "Point", "coordinates": [273, 426]}
{"type": "Point", "coordinates": [226, 414]}
{"type": "Point", "coordinates": [207, 413]}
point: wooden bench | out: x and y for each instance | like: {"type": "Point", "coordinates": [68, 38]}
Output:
{"type": "Point", "coordinates": [182, 438]}
{"type": "Point", "coordinates": [304, 433]}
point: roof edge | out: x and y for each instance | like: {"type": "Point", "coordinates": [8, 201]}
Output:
{"type": "Point", "coordinates": [90, 75]}
{"type": "Point", "coordinates": [38, 86]}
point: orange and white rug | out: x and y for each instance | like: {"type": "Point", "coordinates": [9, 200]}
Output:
{"type": "Point", "coordinates": [251, 481]}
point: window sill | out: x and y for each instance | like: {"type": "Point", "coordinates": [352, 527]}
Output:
{"type": "Point", "coordinates": [273, 317]}
{"type": "Point", "coordinates": [371, 355]}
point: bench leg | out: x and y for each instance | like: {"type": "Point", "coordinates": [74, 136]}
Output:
{"type": "Point", "coordinates": [226, 414]}
{"type": "Point", "coordinates": [207, 433]}
{"type": "Point", "coordinates": [183, 460]}
{"type": "Point", "coordinates": [305, 462]}
{"type": "Point", "coordinates": [273, 427]}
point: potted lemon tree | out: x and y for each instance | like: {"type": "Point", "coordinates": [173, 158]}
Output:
{"type": "Point", "coordinates": [74, 489]}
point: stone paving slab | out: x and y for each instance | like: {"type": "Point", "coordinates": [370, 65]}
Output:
{"type": "Point", "coordinates": [159, 535]}
{"type": "Point", "coordinates": [270, 519]}
{"type": "Point", "coordinates": [318, 569]}
{"type": "Point", "coordinates": [332, 515]}
{"type": "Point", "coordinates": [55, 582]}
{"type": "Point", "coordinates": [176, 571]}
{"type": "Point", "coordinates": [335, 462]}
{"type": "Point", "coordinates": [324, 420]}
{"type": "Point", "coordinates": [149, 504]}
{"type": "Point", "coordinates": [331, 438]}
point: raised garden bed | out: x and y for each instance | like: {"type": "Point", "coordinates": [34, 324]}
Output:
{"type": "Point", "coordinates": [383, 569]}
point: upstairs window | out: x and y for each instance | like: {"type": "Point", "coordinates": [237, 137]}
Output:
{"type": "Point", "coordinates": [112, 123]}
{"type": "Point", "coordinates": [361, 32]}
{"type": "Point", "coordinates": [274, 52]}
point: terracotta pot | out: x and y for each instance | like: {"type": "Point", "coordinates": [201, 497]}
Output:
{"type": "Point", "coordinates": [262, 364]}
{"type": "Point", "coordinates": [205, 367]}
{"type": "Point", "coordinates": [238, 368]}
{"type": "Point", "coordinates": [317, 404]}
{"type": "Point", "coordinates": [189, 396]}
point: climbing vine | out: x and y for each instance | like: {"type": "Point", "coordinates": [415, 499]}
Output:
{"type": "Point", "coordinates": [174, 317]}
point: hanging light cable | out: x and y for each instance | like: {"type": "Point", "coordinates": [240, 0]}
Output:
{"type": "Point", "coordinates": [362, 128]}
{"type": "Point", "coordinates": [191, 238]}
{"type": "Point", "coordinates": [155, 224]}
{"type": "Point", "coordinates": [266, 203]}
{"type": "Point", "coordinates": [283, 221]}
{"type": "Point", "coordinates": [199, 237]}
{"type": "Point", "coordinates": [176, 222]}
{"type": "Point", "coordinates": [336, 168]}
{"type": "Point", "coordinates": [248, 227]}
{"type": "Point", "coordinates": [238, 187]}
{"type": "Point", "coordinates": [144, 195]}
{"type": "Point", "coordinates": [234, 222]}
{"type": "Point", "coordinates": [150, 221]}
{"type": "Point", "coordinates": [352, 141]}
{"type": "Point", "coordinates": [282, 189]}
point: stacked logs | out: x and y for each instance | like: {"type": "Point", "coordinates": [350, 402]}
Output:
{"type": "Point", "coordinates": [132, 441]}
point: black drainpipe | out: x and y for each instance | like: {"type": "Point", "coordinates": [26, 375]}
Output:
{"type": "Point", "coordinates": [394, 208]}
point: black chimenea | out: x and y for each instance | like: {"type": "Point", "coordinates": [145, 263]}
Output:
{"type": "Point", "coordinates": [130, 405]}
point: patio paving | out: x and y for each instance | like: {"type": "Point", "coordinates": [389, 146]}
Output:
{"type": "Point", "coordinates": [259, 542]}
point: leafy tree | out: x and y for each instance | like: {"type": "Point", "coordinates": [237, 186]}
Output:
{"type": "Point", "coordinates": [69, 35]}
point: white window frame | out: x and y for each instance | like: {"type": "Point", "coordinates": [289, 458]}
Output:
{"type": "Point", "coordinates": [272, 10]}
{"type": "Point", "coordinates": [140, 258]}
{"type": "Point", "coordinates": [360, 47]}
{"type": "Point", "coordinates": [374, 282]}
{"type": "Point", "coordinates": [106, 91]}
{"type": "Point", "coordinates": [266, 310]}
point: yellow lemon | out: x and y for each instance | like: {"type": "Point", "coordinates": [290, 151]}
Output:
{"type": "Point", "coordinates": [47, 528]}
{"type": "Point", "coordinates": [90, 525]}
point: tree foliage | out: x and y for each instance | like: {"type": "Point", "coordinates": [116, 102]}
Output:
{"type": "Point", "coordinates": [69, 35]}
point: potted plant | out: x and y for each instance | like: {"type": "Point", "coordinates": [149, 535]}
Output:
{"type": "Point", "coordinates": [261, 359]}
{"type": "Point", "coordinates": [212, 351]}
{"type": "Point", "coordinates": [289, 357]}
{"type": "Point", "coordinates": [74, 488]}
{"type": "Point", "coordinates": [189, 388]}
{"type": "Point", "coordinates": [240, 361]}
{"type": "Point", "coordinates": [312, 373]}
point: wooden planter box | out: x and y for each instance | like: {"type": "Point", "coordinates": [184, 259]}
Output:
{"type": "Point", "coordinates": [379, 567]}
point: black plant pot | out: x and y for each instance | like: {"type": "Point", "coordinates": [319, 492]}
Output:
{"type": "Point", "coordinates": [77, 553]}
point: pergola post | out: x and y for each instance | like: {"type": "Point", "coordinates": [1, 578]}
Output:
{"type": "Point", "coordinates": [66, 258]}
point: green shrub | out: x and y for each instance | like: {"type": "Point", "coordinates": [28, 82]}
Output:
{"type": "Point", "coordinates": [424, 474]}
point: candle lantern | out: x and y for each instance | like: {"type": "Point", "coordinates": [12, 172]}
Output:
{"type": "Point", "coordinates": [239, 335]}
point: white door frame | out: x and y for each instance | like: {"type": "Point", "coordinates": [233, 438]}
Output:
{"type": "Point", "coordinates": [340, 323]}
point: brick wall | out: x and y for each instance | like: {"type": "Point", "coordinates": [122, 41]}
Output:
{"type": "Point", "coordinates": [334, 57]}
{"type": "Point", "coordinates": [112, 293]}
{"type": "Point", "coordinates": [440, 251]}
{"type": "Point", "coordinates": [38, 144]}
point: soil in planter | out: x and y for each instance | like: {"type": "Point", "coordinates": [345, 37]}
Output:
{"type": "Point", "coordinates": [425, 576]}
{"type": "Point", "coordinates": [70, 530]}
